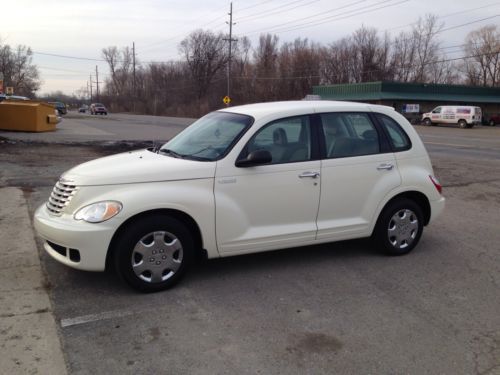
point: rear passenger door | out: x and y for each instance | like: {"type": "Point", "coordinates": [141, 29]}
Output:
{"type": "Point", "coordinates": [359, 169]}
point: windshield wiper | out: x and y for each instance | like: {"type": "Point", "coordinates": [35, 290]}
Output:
{"type": "Point", "coordinates": [170, 152]}
{"type": "Point", "coordinates": [193, 155]}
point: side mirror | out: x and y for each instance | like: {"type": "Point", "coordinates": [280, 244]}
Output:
{"type": "Point", "coordinates": [254, 158]}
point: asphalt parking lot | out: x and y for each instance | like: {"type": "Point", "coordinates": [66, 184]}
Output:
{"type": "Point", "coordinates": [329, 309]}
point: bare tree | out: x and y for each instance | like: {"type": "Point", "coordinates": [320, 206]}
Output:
{"type": "Point", "coordinates": [120, 67]}
{"type": "Point", "coordinates": [416, 56]}
{"type": "Point", "coordinates": [206, 55]}
{"type": "Point", "coordinates": [336, 62]}
{"type": "Point", "coordinates": [484, 66]}
{"type": "Point", "coordinates": [369, 55]}
{"type": "Point", "coordinates": [299, 65]}
{"type": "Point", "coordinates": [18, 70]}
{"type": "Point", "coordinates": [266, 67]}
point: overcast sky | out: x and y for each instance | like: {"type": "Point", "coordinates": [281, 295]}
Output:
{"type": "Point", "coordinates": [83, 28]}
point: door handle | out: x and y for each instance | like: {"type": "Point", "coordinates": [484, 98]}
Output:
{"type": "Point", "coordinates": [385, 166]}
{"type": "Point", "coordinates": [309, 175]}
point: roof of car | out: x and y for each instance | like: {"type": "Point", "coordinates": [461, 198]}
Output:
{"type": "Point", "coordinates": [259, 110]}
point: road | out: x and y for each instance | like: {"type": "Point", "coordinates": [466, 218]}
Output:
{"type": "Point", "coordinates": [80, 127]}
{"type": "Point", "coordinates": [334, 308]}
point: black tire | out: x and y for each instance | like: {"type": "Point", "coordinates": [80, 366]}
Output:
{"type": "Point", "coordinates": [382, 234]}
{"type": "Point", "coordinates": [492, 123]}
{"type": "Point", "coordinates": [462, 124]}
{"type": "Point", "coordinates": [427, 121]}
{"type": "Point", "coordinates": [135, 239]}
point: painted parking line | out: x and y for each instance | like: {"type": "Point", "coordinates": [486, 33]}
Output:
{"type": "Point", "coordinates": [450, 144]}
{"type": "Point", "coordinates": [83, 319]}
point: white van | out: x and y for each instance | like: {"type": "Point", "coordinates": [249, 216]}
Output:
{"type": "Point", "coordinates": [464, 116]}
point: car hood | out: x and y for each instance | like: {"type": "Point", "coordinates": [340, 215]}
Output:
{"type": "Point", "coordinates": [136, 167]}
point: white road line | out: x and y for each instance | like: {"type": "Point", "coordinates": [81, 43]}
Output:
{"type": "Point", "coordinates": [451, 144]}
{"type": "Point", "coordinates": [68, 322]}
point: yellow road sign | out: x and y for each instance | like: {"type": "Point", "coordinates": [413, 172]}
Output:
{"type": "Point", "coordinates": [226, 100]}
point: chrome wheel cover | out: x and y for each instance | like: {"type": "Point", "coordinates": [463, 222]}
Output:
{"type": "Point", "coordinates": [403, 228]}
{"type": "Point", "coordinates": [157, 257]}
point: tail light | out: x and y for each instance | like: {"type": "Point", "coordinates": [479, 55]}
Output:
{"type": "Point", "coordinates": [436, 183]}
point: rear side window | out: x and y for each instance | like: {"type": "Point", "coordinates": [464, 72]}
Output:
{"type": "Point", "coordinates": [397, 136]}
{"type": "Point", "coordinates": [349, 134]}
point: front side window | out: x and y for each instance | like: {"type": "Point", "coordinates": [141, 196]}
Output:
{"type": "Point", "coordinates": [397, 136]}
{"type": "Point", "coordinates": [349, 134]}
{"type": "Point", "coordinates": [288, 140]}
{"type": "Point", "coordinates": [208, 138]}
{"type": "Point", "coordinates": [436, 110]}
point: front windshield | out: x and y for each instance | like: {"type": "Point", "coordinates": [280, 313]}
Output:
{"type": "Point", "coordinates": [208, 138]}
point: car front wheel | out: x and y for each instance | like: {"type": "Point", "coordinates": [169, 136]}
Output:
{"type": "Point", "coordinates": [427, 121]}
{"type": "Point", "coordinates": [153, 253]}
{"type": "Point", "coordinates": [399, 227]}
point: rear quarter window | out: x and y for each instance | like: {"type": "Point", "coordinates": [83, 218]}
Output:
{"type": "Point", "coordinates": [397, 136]}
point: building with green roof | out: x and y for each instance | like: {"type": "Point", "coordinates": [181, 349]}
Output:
{"type": "Point", "coordinates": [419, 97]}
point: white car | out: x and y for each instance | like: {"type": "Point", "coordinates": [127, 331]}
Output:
{"type": "Point", "coordinates": [242, 180]}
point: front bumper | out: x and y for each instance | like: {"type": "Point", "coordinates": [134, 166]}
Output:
{"type": "Point", "coordinates": [90, 240]}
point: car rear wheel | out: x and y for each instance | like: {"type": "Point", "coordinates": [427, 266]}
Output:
{"type": "Point", "coordinates": [154, 253]}
{"type": "Point", "coordinates": [462, 124]}
{"type": "Point", "coordinates": [399, 227]}
{"type": "Point", "coordinates": [492, 123]}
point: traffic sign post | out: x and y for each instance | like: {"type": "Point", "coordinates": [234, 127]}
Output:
{"type": "Point", "coordinates": [226, 100]}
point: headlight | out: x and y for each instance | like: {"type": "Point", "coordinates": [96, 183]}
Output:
{"type": "Point", "coordinates": [98, 212]}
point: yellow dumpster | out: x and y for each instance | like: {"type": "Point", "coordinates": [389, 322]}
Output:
{"type": "Point", "coordinates": [27, 116]}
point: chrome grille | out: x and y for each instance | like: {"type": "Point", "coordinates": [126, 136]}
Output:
{"type": "Point", "coordinates": [61, 196]}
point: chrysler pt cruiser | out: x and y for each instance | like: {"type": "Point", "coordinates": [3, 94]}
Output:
{"type": "Point", "coordinates": [241, 180]}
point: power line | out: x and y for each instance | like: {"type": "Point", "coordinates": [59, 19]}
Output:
{"type": "Point", "coordinates": [325, 12]}
{"type": "Point", "coordinates": [446, 15]}
{"type": "Point", "coordinates": [177, 36]}
{"type": "Point", "coordinates": [61, 69]}
{"type": "Point", "coordinates": [330, 18]}
{"type": "Point", "coordinates": [67, 56]}
{"type": "Point", "coordinates": [254, 5]}
{"type": "Point", "coordinates": [266, 12]}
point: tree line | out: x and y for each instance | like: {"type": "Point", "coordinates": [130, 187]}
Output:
{"type": "Point", "coordinates": [271, 70]}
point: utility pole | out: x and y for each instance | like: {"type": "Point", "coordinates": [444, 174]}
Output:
{"type": "Point", "coordinates": [231, 40]}
{"type": "Point", "coordinates": [97, 82]}
{"type": "Point", "coordinates": [133, 77]}
{"type": "Point", "coordinates": [133, 63]}
{"type": "Point", "coordinates": [91, 88]}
